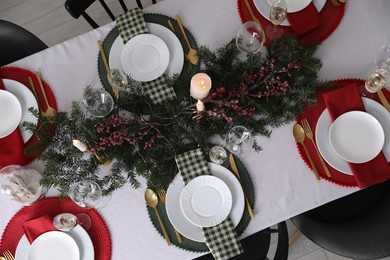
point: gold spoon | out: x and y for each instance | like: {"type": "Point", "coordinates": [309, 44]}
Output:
{"type": "Point", "coordinates": [299, 135]}
{"type": "Point", "coordinates": [192, 54]}
{"type": "Point", "coordinates": [50, 111]}
{"type": "Point", "coordinates": [152, 200]}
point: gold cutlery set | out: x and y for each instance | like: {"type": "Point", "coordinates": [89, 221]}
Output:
{"type": "Point", "coordinates": [50, 111]}
{"type": "Point", "coordinates": [300, 132]}
{"type": "Point", "coordinates": [7, 256]}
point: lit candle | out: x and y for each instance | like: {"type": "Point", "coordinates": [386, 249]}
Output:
{"type": "Point", "coordinates": [199, 106]}
{"type": "Point", "coordinates": [200, 86]}
{"type": "Point", "coordinates": [80, 145]}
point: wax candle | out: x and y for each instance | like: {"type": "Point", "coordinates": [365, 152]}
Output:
{"type": "Point", "coordinates": [199, 106]}
{"type": "Point", "coordinates": [80, 145]}
{"type": "Point", "coordinates": [200, 86]}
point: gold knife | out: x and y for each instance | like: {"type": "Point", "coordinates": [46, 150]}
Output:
{"type": "Point", "coordinates": [254, 18]}
{"type": "Point", "coordinates": [235, 171]}
{"type": "Point", "coordinates": [383, 99]}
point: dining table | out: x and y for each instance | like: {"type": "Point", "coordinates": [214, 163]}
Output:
{"type": "Point", "coordinates": [283, 183]}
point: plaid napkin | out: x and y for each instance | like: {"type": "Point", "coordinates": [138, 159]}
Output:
{"type": "Point", "coordinates": [131, 24]}
{"type": "Point", "coordinates": [221, 239]}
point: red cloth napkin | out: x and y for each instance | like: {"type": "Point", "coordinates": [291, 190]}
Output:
{"type": "Point", "coordinates": [304, 20]}
{"type": "Point", "coordinates": [347, 99]}
{"type": "Point", "coordinates": [35, 227]}
{"type": "Point", "coordinates": [11, 146]}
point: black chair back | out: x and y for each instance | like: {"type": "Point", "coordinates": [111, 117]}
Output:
{"type": "Point", "coordinates": [17, 43]}
{"type": "Point", "coordinates": [77, 8]}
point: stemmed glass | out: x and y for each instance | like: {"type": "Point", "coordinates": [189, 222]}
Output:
{"type": "Point", "coordinates": [249, 38]}
{"type": "Point", "coordinates": [119, 80]}
{"type": "Point", "coordinates": [378, 79]}
{"type": "Point", "coordinates": [68, 221]}
{"type": "Point", "coordinates": [277, 15]}
{"type": "Point", "coordinates": [86, 194]}
{"type": "Point", "coordinates": [97, 101]}
{"type": "Point", "coordinates": [239, 140]}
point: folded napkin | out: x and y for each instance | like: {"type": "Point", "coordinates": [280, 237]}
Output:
{"type": "Point", "coordinates": [11, 146]}
{"type": "Point", "coordinates": [221, 239]}
{"type": "Point", "coordinates": [35, 227]}
{"type": "Point", "coordinates": [305, 20]}
{"type": "Point", "coordinates": [131, 24]}
{"type": "Point", "coordinates": [347, 99]}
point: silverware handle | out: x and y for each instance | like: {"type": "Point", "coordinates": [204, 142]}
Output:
{"type": "Point", "coordinates": [383, 100]}
{"type": "Point", "coordinates": [179, 238]}
{"type": "Point", "coordinates": [311, 162]}
{"type": "Point", "coordinates": [163, 228]}
{"type": "Point", "coordinates": [322, 160]}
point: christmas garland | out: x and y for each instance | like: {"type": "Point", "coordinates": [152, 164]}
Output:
{"type": "Point", "coordinates": [140, 139]}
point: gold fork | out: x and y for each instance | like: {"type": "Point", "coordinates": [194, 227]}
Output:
{"type": "Point", "coordinates": [7, 254]}
{"type": "Point", "coordinates": [336, 2]}
{"type": "Point", "coordinates": [309, 134]}
{"type": "Point", "coordinates": [161, 193]}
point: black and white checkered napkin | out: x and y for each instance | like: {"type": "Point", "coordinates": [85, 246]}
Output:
{"type": "Point", "coordinates": [129, 25]}
{"type": "Point", "coordinates": [221, 239]}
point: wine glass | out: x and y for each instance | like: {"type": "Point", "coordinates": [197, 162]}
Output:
{"type": "Point", "coordinates": [277, 15]}
{"type": "Point", "coordinates": [218, 154]}
{"type": "Point", "coordinates": [97, 101]}
{"type": "Point", "coordinates": [376, 80]}
{"type": "Point", "coordinates": [250, 38]}
{"type": "Point", "coordinates": [382, 59]}
{"type": "Point", "coordinates": [86, 194]}
{"type": "Point", "coordinates": [239, 140]}
{"type": "Point", "coordinates": [118, 79]}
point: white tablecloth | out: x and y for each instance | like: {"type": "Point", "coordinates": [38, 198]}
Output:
{"type": "Point", "coordinates": [284, 185]}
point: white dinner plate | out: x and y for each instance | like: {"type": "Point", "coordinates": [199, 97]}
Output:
{"type": "Point", "coordinates": [206, 201]}
{"type": "Point", "coordinates": [176, 53]}
{"type": "Point", "coordinates": [181, 223]}
{"type": "Point", "coordinates": [145, 57]}
{"type": "Point", "coordinates": [27, 100]}
{"type": "Point", "coordinates": [356, 137]}
{"type": "Point", "coordinates": [264, 7]}
{"type": "Point", "coordinates": [79, 235]}
{"type": "Point", "coordinates": [322, 135]}
{"type": "Point", "coordinates": [54, 245]}
{"type": "Point", "coordinates": [10, 113]}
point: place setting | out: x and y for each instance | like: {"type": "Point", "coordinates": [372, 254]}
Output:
{"type": "Point", "coordinates": [162, 48]}
{"type": "Point", "coordinates": [21, 90]}
{"type": "Point", "coordinates": [310, 20]}
{"type": "Point", "coordinates": [351, 130]}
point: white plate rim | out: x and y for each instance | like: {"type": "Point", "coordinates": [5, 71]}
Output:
{"type": "Point", "coordinates": [322, 133]}
{"type": "Point", "coordinates": [348, 151]}
{"type": "Point", "coordinates": [7, 127]}
{"type": "Point", "coordinates": [42, 239]}
{"type": "Point", "coordinates": [264, 8]}
{"type": "Point", "coordinates": [27, 100]}
{"type": "Point", "coordinates": [182, 224]}
{"type": "Point", "coordinates": [187, 201]}
{"type": "Point", "coordinates": [176, 52]}
{"type": "Point", "coordinates": [79, 234]}
{"type": "Point", "coordinates": [140, 40]}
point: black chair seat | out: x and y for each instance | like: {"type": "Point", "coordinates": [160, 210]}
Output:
{"type": "Point", "coordinates": [17, 43]}
{"type": "Point", "coordinates": [256, 246]}
{"type": "Point", "coordinates": [356, 226]}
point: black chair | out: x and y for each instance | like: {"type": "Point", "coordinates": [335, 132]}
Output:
{"type": "Point", "coordinates": [17, 43]}
{"type": "Point", "coordinates": [256, 246]}
{"type": "Point", "coordinates": [356, 226]}
{"type": "Point", "coordinates": [77, 8]}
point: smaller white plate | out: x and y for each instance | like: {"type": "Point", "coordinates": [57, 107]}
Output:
{"type": "Point", "coordinates": [10, 113]}
{"type": "Point", "coordinates": [54, 245]}
{"type": "Point", "coordinates": [27, 100]}
{"type": "Point", "coordinates": [206, 201]}
{"type": "Point", "coordinates": [264, 7]}
{"type": "Point", "coordinates": [145, 57]}
{"type": "Point", "coordinates": [356, 137]}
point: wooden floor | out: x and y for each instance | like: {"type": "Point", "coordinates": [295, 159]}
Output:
{"type": "Point", "coordinates": [49, 20]}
